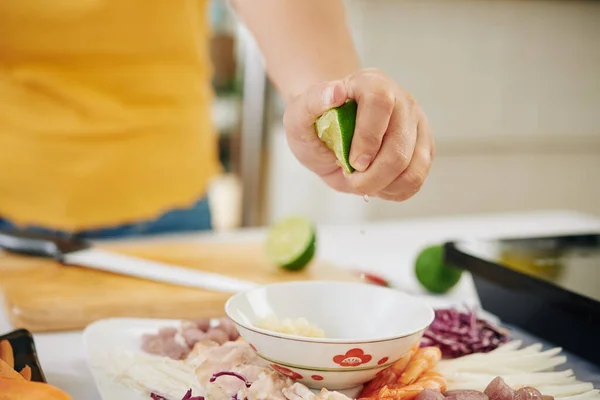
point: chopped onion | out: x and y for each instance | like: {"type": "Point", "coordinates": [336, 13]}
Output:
{"type": "Point", "coordinates": [187, 396]}
{"type": "Point", "coordinates": [229, 373]}
{"type": "Point", "coordinates": [459, 333]}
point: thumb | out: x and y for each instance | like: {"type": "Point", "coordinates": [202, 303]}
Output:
{"type": "Point", "coordinates": [314, 102]}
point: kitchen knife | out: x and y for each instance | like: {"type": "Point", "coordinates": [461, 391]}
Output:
{"type": "Point", "coordinates": [73, 251]}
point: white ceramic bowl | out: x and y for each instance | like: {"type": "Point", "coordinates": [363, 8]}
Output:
{"type": "Point", "coordinates": [367, 328]}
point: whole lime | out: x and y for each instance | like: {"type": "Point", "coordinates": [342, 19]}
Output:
{"type": "Point", "coordinates": [433, 273]}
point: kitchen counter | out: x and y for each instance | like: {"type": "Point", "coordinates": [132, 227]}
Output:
{"type": "Point", "coordinates": [385, 248]}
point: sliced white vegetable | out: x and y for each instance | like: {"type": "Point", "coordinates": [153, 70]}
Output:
{"type": "Point", "coordinates": [491, 369]}
{"type": "Point", "coordinates": [520, 379]}
{"type": "Point", "coordinates": [501, 357]}
{"type": "Point", "coordinates": [536, 379]}
{"type": "Point", "coordinates": [520, 359]}
{"type": "Point", "coordinates": [583, 396]}
{"type": "Point", "coordinates": [527, 366]}
{"type": "Point", "coordinates": [466, 386]}
{"type": "Point", "coordinates": [149, 373]}
{"type": "Point", "coordinates": [566, 390]}
{"type": "Point", "coordinates": [536, 363]}
{"type": "Point", "coordinates": [510, 346]}
{"type": "Point", "coordinates": [549, 364]}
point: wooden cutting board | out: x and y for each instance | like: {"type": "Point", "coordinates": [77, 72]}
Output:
{"type": "Point", "coordinates": [41, 295]}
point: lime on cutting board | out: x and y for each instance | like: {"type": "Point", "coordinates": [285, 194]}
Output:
{"type": "Point", "coordinates": [291, 243]}
{"type": "Point", "coordinates": [336, 129]}
{"type": "Point", "coordinates": [433, 273]}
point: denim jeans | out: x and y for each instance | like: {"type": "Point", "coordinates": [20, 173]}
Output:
{"type": "Point", "coordinates": [195, 218]}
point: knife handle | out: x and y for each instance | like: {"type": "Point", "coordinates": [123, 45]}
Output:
{"type": "Point", "coordinates": [39, 244]}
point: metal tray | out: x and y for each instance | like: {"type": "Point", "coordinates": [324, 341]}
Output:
{"type": "Point", "coordinates": [539, 300]}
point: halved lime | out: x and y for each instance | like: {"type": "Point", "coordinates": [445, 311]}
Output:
{"type": "Point", "coordinates": [433, 273]}
{"type": "Point", "coordinates": [291, 243]}
{"type": "Point", "coordinates": [336, 129]}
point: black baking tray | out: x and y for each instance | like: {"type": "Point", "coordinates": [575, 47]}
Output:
{"type": "Point", "coordinates": [548, 286]}
{"type": "Point", "coordinates": [23, 346]}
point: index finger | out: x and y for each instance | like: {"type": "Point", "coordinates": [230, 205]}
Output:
{"type": "Point", "coordinates": [305, 109]}
{"type": "Point", "coordinates": [376, 99]}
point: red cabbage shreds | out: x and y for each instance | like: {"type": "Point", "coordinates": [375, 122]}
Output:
{"type": "Point", "coordinates": [229, 373]}
{"type": "Point", "coordinates": [186, 396]}
{"type": "Point", "coordinates": [459, 333]}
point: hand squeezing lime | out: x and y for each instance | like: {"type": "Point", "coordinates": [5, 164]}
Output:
{"type": "Point", "coordinates": [336, 129]}
{"type": "Point", "coordinates": [433, 273]}
{"type": "Point", "coordinates": [291, 243]}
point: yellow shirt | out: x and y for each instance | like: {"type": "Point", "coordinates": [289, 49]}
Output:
{"type": "Point", "coordinates": [105, 111]}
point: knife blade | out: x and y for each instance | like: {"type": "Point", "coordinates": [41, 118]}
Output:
{"type": "Point", "coordinates": [78, 252]}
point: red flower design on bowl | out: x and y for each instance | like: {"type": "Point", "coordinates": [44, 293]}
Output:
{"type": "Point", "coordinates": [286, 372]}
{"type": "Point", "coordinates": [352, 358]}
{"type": "Point", "coordinates": [382, 361]}
{"type": "Point", "coordinates": [317, 377]}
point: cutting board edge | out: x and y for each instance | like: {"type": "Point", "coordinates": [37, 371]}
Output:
{"type": "Point", "coordinates": [77, 309]}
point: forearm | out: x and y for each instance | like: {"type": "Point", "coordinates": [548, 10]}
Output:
{"type": "Point", "coordinates": [303, 41]}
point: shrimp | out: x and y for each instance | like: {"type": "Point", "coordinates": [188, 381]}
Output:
{"type": "Point", "coordinates": [425, 359]}
{"type": "Point", "coordinates": [389, 375]}
{"type": "Point", "coordinates": [429, 380]}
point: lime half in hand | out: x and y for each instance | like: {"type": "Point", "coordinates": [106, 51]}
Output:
{"type": "Point", "coordinates": [336, 129]}
{"type": "Point", "coordinates": [291, 243]}
{"type": "Point", "coordinates": [433, 273]}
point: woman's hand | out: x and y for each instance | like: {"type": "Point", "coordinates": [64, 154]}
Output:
{"type": "Point", "coordinates": [392, 148]}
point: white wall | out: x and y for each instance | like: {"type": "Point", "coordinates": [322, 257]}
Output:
{"type": "Point", "coordinates": [512, 90]}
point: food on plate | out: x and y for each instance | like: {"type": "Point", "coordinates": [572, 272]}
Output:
{"type": "Point", "coordinates": [231, 370]}
{"type": "Point", "coordinates": [459, 333]}
{"type": "Point", "coordinates": [465, 395]}
{"type": "Point", "coordinates": [176, 343]}
{"type": "Point", "coordinates": [148, 373]}
{"type": "Point", "coordinates": [430, 394]}
{"type": "Point", "coordinates": [527, 393]}
{"type": "Point", "coordinates": [429, 380]}
{"type": "Point", "coordinates": [336, 129]}
{"type": "Point", "coordinates": [498, 389]}
{"type": "Point", "coordinates": [433, 272]}
{"type": "Point", "coordinates": [389, 375]}
{"type": "Point", "coordinates": [187, 396]}
{"type": "Point", "coordinates": [18, 385]}
{"type": "Point", "coordinates": [300, 392]}
{"type": "Point", "coordinates": [502, 372]}
{"type": "Point", "coordinates": [291, 243]}
{"type": "Point", "coordinates": [216, 372]}
{"type": "Point", "coordinates": [298, 327]}
{"type": "Point", "coordinates": [423, 360]}
{"type": "Point", "coordinates": [408, 377]}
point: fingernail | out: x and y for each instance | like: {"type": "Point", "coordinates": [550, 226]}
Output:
{"type": "Point", "coordinates": [329, 95]}
{"type": "Point", "coordinates": [362, 163]}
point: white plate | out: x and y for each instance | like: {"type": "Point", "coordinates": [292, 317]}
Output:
{"type": "Point", "coordinates": [120, 334]}
{"type": "Point", "coordinates": [124, 334]}
{"type": "Point", "coordinates": [117, 334]}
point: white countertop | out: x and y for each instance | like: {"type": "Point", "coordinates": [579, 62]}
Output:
{"type": "Point", "coordinates": [385, 248]}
